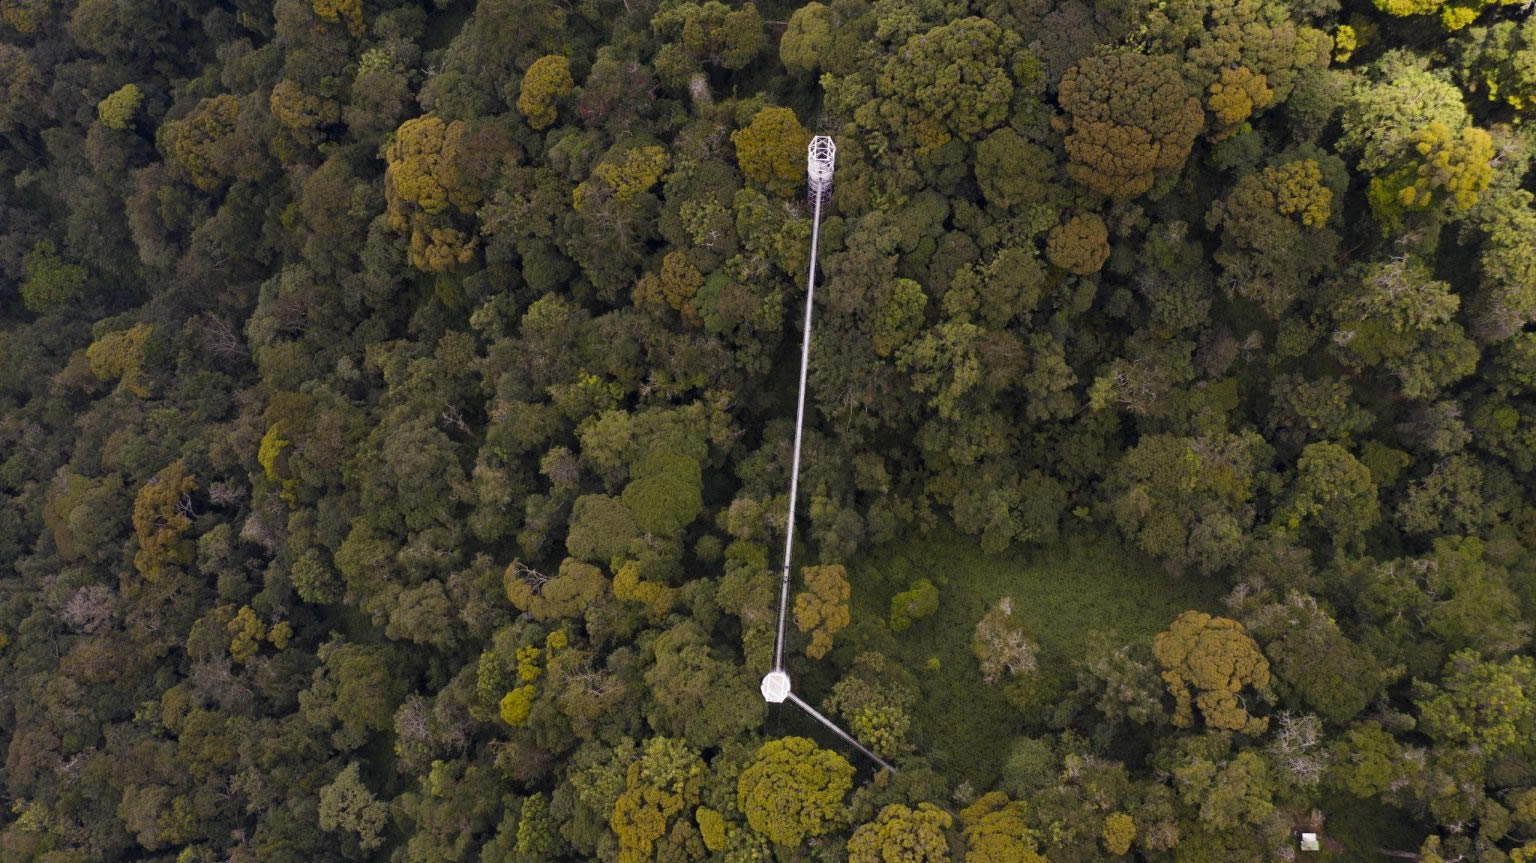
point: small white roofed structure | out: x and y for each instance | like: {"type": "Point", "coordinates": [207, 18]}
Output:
{"type": "Point", "coordinates": [775, 687]}
{"type": "Point", "coordinates": [1309, 842]}
{"type": "Point", "coordinates": [820, 160]}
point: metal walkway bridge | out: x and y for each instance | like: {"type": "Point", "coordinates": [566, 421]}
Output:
{"type": "Point", "coordinates": [820, 161]}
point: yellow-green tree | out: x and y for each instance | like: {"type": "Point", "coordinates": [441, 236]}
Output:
{"type": "Point", "coordinates": [913, 604]}
{"type": "Point", "coordinates": [996, 832]}
{"type": "Point", "coordinates": [659, 786]}
{"type": "Point", "coordinates": [771, 150]}
{"type": "Point", "coordinates": [567, 594]}
{"type": "Point", "coordinates": [246, 633]}
{"type": "Point", "coordinates": [674, 287]}
{"type": "Point", "coordinates": [422, 181]}
{"type": "Point", "coordinates": [1238, 95]}
{"type": "Point", "coordinates": [822, 608]}
{"type": "Point", "coordinates": [545, 83]}
{"type": "Point", "coordinates": [517, 704]}
{"type": "Point", "coordinates": [656, 597]}
{"type": "Point", "coordinates": [120, 356]}
{"type": "Point", "coordinates": [117, 109]}
{"type": "Point", "coordinates": [1294, 189]}
{"type": "Point", "coordinates": [1128, 120]}
{"type": "Point", "coordinates": [195, 141]}
{"type": "Point", "coordinates": [421, 172]}
{"type": "Point", "coordinates": [302, 112]}
{"type": "Point", "coordinates": [1272, 233]}
{"type": "Point", "coordinates": [24, 16]}
{"type": "Point", "coordinates": [1119, 830]}
{"type": "Point", "coordinates": [1079, 245]}
{"type": "Point", "coordinates": [902, 835]}
{"type": "Point", "coordinates": [348, 12]}
{"type": "Point", "coordinates": [621, 180]}
{"type": "Point", "coordinates": [1453, 14]}
{"type": "Point", "coordinates": [1208, 662]}
{"type": "Point", "coordinates": [1442, 170]}
{"type": "Point", "coordinates": [160, 519]}
{"type": "Point", "coordinates": [793, 790]}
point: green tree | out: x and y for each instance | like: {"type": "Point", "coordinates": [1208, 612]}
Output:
{"type": "Point", "coordinates": [347, 805]}
{"type": "Point", "coordinates": [49, 283]}
{"type": "Point", "coordinates": [709, 33]}
{"type": "Point", "coordinates": [807, 38]}
{"type": "Point", "coordinates": [1014, 172]}
{"type": "Point", "coordinates": [697, 696]}
{"type": "Point", "coordinates": [1187, 500]}
{"type": "Point", "coordinates": [951, 81]}
{"type": "Point", "coordinates": [666, 492]}
{"type": "Point", "coordinates": [1480, 704]}
{"type": "Point", "coordinates": [1312, 659]}
{"type": "Point", "coordinates": [918, 601]}
{"type": "Point", "coordinates": [792, 790]}
{"type": "Point", "coordinates": [1402, 97]}
{"type": "Point", "coordinates": [1334, 491]}
{"type": "Point", "coordinates": [601, 528]}
{"type": "Point", "coordinates": [900, 316]}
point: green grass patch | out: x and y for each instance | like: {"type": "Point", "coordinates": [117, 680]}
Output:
{"type": "Point", "coordinates": [1362, 827]}
{"type": "Point", "coordinates": [1063, 594]}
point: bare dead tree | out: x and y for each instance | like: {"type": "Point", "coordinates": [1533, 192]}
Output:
{"type": "Point", "coordinates": [452, 417]}
{"type": "Point", "coordinates": [91, 609]}
{"type": "Point", "coordinates": [530, 576]}
{"type": "Point", "coordinates": [221, 493]}
{"type": "Point", "coordinates": [186, 507]}
{"type": "Point", "coordinates": [221, 340]}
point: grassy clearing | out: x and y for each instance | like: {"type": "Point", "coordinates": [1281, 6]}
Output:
{"type": "Point", "coordinates": [1063, 594]}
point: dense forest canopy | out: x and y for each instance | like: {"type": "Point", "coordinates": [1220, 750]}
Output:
{"type": "Point", "coordinates": [396, 406]}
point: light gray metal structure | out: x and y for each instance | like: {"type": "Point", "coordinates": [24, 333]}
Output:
{"type": "Point", "coordinates": [821, 159]}
{"type": "Point", "coordinates": [816, 715]}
